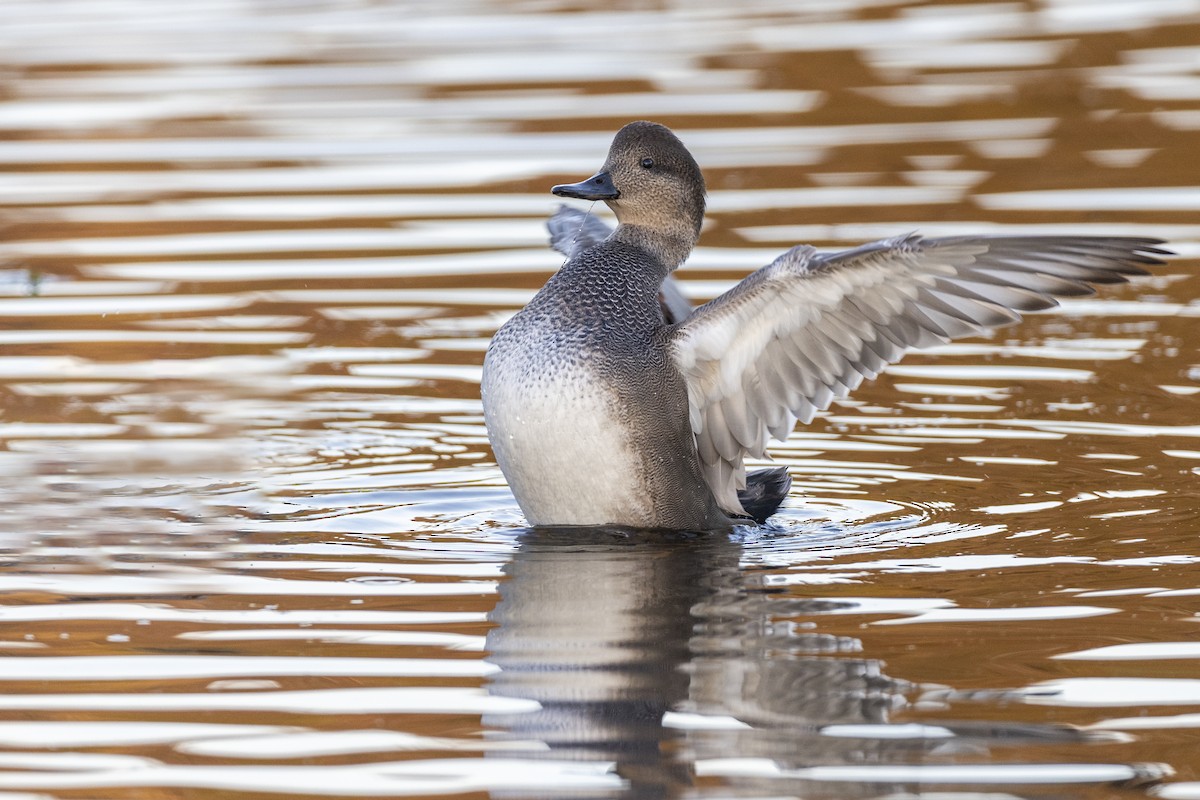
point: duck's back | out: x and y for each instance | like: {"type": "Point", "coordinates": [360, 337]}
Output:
{"type": "Point", "coordinates": [587, 415]}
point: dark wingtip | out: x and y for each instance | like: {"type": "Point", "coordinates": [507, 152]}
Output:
{"type": "Point", "coordinates": [1147, 249]}
{"type": "Point", "coordinates": [765, 490]}
{"type": "Point", "coordinates": [1152, 252]}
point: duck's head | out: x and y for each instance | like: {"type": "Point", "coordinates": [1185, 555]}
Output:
{"type": "Point", "coordinates": [649, 180]}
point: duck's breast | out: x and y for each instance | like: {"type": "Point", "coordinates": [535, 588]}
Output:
{"type": "Point", "coordinates": [561, 432]}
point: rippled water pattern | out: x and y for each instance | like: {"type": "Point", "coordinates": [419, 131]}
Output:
{"type": "Point", "coordinates": [254, 542]}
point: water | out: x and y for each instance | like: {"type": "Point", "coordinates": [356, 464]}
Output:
{"type": "Point", "coordinates": [254, 542]}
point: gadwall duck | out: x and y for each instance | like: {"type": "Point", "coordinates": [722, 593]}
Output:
{"type": "Point", "coordinates": [607, 404]}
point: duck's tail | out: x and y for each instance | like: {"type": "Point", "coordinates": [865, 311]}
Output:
{"type": "Point", "coordinates": [765, 490]}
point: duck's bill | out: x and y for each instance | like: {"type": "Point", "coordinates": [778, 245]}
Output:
{"type": "Point", "coordinates": [597, 187]}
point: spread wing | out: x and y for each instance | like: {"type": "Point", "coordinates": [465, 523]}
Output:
{"type": "Point", "coordinates": [573, 231]}
{"type": "Point", "coordinates": [808, 328]}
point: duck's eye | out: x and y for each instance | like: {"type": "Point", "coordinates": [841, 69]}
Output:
{"type": "Point", "coordinates": [647, 162]}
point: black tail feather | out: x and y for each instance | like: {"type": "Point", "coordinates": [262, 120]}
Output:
{"type": "Point", "coordinates": [765, 491]}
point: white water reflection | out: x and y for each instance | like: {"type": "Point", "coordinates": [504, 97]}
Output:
{"type": "Point", "coordinates": [230, 585]}
{"type": "Point", "coordinates": [501, 262]}
{"type": "Point", "coordinates": [977, 615]}
{"type": "Point", "coordinates": [450, 641]}
{"type": "Point", "coordinates": [106, 305]}
{"type": "Point", "coordinates": [398, 778]}
{"type": "Point", "coordinates": [1150, 722]}
{"type": "Point", "coordinates": [851, 232]}
{"type": "Point", "coordinates": [1108, 692]}
{"type": "Point", "coordinates": [1152, 198]}
{"type": "Point", "coordinates": [28, 734]}
{"type": "Point", "coordinates": [389, 700]}
{"type": "Point", "coordinates": [296, 744]}
{"type": "Point", "coordinates": [110, 668]}
{"type": "Point", "coordinates": [58, 187]}
{"type": "Point", "coordinates": [235, 369]}
{"type": "Point", "coordinates": [414, 236]}
{"type": "Point", "coordinates": [301, 618]}
{"type": "Point", "coordinates": [967, 55]}
{"type": "Point", "coordinates": [943, 774]}
{"type": "Point", "coordinates": [988, 372]}
{"type": "Point", "coordinates": [1148, 651]}
{"type": "Point", "coordinates": [247, 337]}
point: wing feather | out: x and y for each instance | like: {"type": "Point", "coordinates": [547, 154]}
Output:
{"type": "Point", "coordinates": [572, 231]}
{"type": "Point", "coordinates": [808, 328]}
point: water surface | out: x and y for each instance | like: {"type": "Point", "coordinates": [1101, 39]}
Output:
{"type": "Point", "coordinates": [254, 541]}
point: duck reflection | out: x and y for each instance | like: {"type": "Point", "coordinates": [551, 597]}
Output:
{"type": "Point", "coordinates": [663, 654]}
{"type": "Point", "coordinates": [656, 650]}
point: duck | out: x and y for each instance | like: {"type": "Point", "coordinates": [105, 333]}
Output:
{"type": "Point", "coordinates": [610, 401]}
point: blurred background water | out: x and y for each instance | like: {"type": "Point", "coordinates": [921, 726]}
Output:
{"type": "Point", "coordinates": [254, 542]}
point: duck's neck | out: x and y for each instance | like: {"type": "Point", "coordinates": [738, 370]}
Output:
{"type": "Point", "coordinates": [671, 246]}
